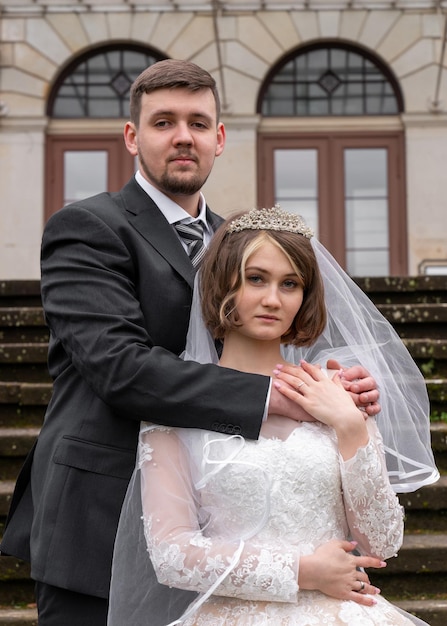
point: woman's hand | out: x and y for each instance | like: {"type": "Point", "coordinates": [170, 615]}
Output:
{"type": "Point", "coordinates": [327, 400]}
{"type": "Point", "coordinates": [319, 395]}
{"type": "Point", "coordinates": [333, 570]}
{"type": "Point", "coordinates": [361, 385]}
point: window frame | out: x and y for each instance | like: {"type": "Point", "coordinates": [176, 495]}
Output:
{"type": "Point", "coordinates": [120, 163]}
{"type": "Point", "coordinates": [331, 186]}
{"type": "Point", "coordinates": [90, 84]}
{"type": "Point", "coordinates": [327, 45]}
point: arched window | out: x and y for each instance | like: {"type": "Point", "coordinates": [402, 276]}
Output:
{"type": "Point", "coordinates": [87, 107]}
{"type": "Point", "coordinates": [330, 79]}
{"type": "Point", "coordinates": [339, 160]}
{"type": "Point", "coordinates": [97, 84]}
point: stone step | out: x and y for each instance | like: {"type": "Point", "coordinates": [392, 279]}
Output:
{"type": "Point", "coordinates": [379, 288]}
{"type": "Point", "coordinates": [24, 373]}
{"type": "Point", "coordinates": [397, 313]}
{"type": "Point", "coordinates": [15, 443]}
{"type": "Point", "coordinates": [416, 320]}
{"type": "Point", "coordinates": [395, 289]}
{"type": "Point", "coordinates": [16, 586]}
{"type": "Point", "coordinates": [18, 617]}
{"type": "Point", "coordinates": [23, 393]}
{"type": "Point", "coordinates": [12, 570]}
{"type": "Point", "coordinates": [417, 308]}
{"type": "Point", "coordinates": [6, 490]}
{"type": "Point", "coordinates": [429, 354]}
{"type": "Point", "coordinates": [432, 611]}
{"type": "Point", "coordinates": [432, 496]}
{"type": "Point", "coordinates": [438, 432]}
{"type": "Point", "coordinates": [27, 393]}
{"type": "Point", "coordinates": [24, 352]}
{"type": "Point", "coordinates": [21, 416]}
{"type": "Point", "coordinates": [20, 293]}
{"type": "Point", "coordinates": [419, 568]}
{"type": "Point", "coordinates": [426, 508]}
{"type": "Point", "coordinates": [424, 348]}
{"type": "Point", "coordinates": [419, 347]}
{"type": "Point", "coordinates": [437, 393]}
{"type": "Point", "coordinates": [420, 313]}
{"type": "Point", "coordinates": [23, 324]}
{"type": "Point", "coordinates": [23, 404]}
{"type": "Point", "coordinates": [18, 316]}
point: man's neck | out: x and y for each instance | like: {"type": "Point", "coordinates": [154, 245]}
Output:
{"type": "Point", "coordinates": [190, 204]}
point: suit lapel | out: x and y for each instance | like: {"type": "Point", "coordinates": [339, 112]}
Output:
{"type": "Point", "coordinates": [149, 221]}
{"type": "Point", "coordinates": [213, 219]}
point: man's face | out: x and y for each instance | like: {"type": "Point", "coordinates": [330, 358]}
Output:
{"type": "Point", "coordinates": [177, 140]}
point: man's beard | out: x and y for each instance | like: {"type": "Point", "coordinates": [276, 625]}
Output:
{"type": "Point", "coordinates": [172, 184]}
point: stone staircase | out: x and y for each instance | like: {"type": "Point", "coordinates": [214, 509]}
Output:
{"type": "Point", "coordinates": [417, 579]}
{"type": "Point", "coordinates": [417, 307]}
{"type": "Point", "coordinates": [25, 388]}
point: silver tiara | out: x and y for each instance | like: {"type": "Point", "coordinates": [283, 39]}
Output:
{"type": "Point", "coordinates": [270, 219]}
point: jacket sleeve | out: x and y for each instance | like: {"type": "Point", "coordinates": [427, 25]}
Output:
{"type": "Point", "coordinates": [373, 511]}
{"type": "Point", "coordinates": [184, 555]}
{"type": "Point", "coordinates": [93, 278]}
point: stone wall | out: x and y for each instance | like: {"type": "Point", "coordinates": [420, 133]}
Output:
{"type": "Point", "coordinates": [238, 47]}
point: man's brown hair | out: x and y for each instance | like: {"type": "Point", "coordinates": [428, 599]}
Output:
{"type": "Point", "coordinates": [170, 74]}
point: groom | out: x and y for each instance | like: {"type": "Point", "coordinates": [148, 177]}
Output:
{"type": "Point", "coordinates": [116, 289]}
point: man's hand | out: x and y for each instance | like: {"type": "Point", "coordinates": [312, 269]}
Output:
{"type": "Point", "coordinates": [333, 570]}
{"type": "Point", "coordinates": [361, 386]}
{"type": "Point", "coordinates": [280, 405]}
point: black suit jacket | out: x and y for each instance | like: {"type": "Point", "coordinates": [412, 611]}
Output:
{"type": "Point", "coordinates": [116, 290]}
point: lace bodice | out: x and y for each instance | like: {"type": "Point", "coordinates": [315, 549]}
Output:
{"type": "Point", "coordinates": [238, 527]}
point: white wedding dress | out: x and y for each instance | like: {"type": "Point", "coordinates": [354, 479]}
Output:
{"type": "Point", "coordinates": [230, 518]}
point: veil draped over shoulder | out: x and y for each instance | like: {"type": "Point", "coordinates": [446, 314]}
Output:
{"type": "Point", "coordinates": [356, 333]}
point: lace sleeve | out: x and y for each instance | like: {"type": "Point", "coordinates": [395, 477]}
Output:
{"type": "Point", "coordinates": [374, 514]}
{"type": "Point", "coordinates": [182, 553]}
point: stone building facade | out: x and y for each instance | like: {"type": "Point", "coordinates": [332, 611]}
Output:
{"type": "Point", "coordinates": [335, 108]}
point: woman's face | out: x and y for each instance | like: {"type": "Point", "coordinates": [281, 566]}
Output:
{"type": "Point", "coordinates": [271, 296]}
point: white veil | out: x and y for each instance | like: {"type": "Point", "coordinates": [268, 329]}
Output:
{"type": "Point", "coordinates": [356, 333]}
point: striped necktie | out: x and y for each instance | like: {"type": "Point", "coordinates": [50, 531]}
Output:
{"type": "Point", "coordinates": [192, 235]}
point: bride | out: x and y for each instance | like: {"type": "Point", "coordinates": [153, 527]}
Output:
{"type": "Point", "coordinates": [274, 532]}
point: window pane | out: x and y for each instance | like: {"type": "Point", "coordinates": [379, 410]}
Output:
{"type": "Point", "coordinates": [296, 183]}
{"type": "Point", "coordinates": [371, 263]}
{"type": "Point", "coordinates": [98, 84]}
{"type": "Point", "coordinates": [331, 80]}
{"type": "Point", "coordinates": [85, 174]}
{"type": "Point", "coordinates": [365, 173]}
{"type": "Point", "coordinates": [366, 210]}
